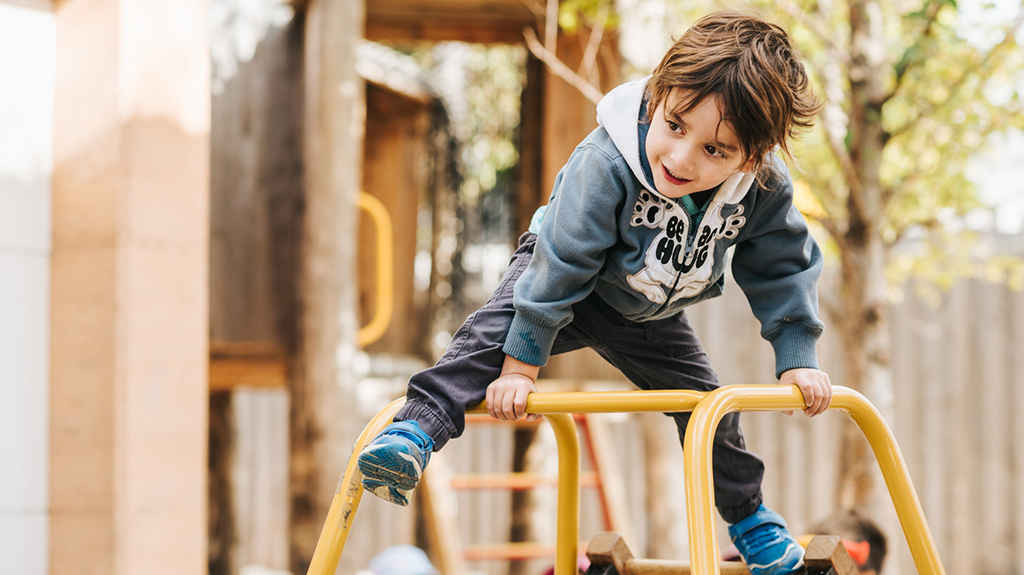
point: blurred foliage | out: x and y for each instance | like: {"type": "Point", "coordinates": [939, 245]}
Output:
{"type": "Point", "coordinates": [482, 87]}
{"type": "Point", "coordinates": [493, 93]}
{"type": "Point", "coordinates": [574, 14]}
{"type": "Point", "coordinates": [955, 77]}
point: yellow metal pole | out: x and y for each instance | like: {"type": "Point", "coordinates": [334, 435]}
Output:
{"type": "Point", "coordinates": [662, 401]}
{"type": "Point", "coordinates": [568, 507]}
{"type": "Point", "coordinates": [700, 494]}
{"type": "Point", "coordinates": [346, 499]}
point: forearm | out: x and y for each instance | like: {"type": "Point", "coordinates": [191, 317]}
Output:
{"type": "Point", "coordinates": [514, 366]}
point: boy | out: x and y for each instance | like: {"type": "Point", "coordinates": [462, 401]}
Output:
{"type": "Point", "coordinates": [636, 228]}
{"type": "Point", "coordinates": [864, 541]}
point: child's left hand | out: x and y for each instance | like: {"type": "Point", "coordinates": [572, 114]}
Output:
{"type": "Point", "coordinates": [506, 397]}
{"type": "Point", "coordinates": [814, 385]}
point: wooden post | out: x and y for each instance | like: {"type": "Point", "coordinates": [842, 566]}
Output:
{"type": "Point", "coordinates": [323, 421]}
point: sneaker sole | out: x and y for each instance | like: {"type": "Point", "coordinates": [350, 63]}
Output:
{"type": "Point", "coordinates": [387, 492]}
{"type": "Point", "coordinates": [775, 568]}
{"type": "Point", "coordinates": [386, 468]}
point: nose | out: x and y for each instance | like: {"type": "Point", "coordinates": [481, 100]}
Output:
{"type": "Point", "coordinates": [683, 156]}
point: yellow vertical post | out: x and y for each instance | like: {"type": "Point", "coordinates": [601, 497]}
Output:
{"type": "Point", "coordinates": [568, 511]}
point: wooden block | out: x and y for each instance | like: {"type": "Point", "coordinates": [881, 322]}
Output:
{"type": "Point", "coordinates": [826, 552]}
{"type": "Point", "coordinates": [608, 548]}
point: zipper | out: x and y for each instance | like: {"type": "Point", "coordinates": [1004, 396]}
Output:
{"type": "Point", "coordinates": [691, 238]}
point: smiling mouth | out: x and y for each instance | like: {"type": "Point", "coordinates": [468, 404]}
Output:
{"type": "Point", "coordinates": [672, 178]}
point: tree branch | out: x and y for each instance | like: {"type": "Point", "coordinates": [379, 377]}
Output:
{"type": "Point", "coordinates": [815, 25]}
{"type": "Point", "coordinates": [534, 6]}
{"type": "Point", "coordinates": [558, 68]}
{"type": "Point", "coordinates": [911, 58]}
{"type": "Point", "coordinates": [972, 72]}
{"type": "Point", "coordinates": [551, 27]}
{"type": "Point", "coordinates": [833, 230]}
{"type": "Point", "coordinates": [842, 155]}
{"type": "Point", "coordinates": [594, 42]}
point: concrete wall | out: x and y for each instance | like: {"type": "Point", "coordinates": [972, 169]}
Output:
{"type": "Point", "coordinates": [26, 164]}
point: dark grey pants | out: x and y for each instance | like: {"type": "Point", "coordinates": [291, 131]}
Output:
{"type": "Point", "coordinates": [663, 354]}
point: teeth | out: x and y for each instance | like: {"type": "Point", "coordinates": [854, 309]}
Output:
{"type": "Point", "coordinates": [674, 175]}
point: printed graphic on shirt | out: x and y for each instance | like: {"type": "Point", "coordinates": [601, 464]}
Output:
{"type": "Point", "coordinates": [668, 256]}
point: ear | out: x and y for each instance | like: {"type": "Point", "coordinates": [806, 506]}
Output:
{"type": "Point", "coordinates": [749, 166]}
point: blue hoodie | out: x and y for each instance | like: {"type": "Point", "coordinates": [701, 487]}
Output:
{"type": "Point", "coordinates": [607, 230]}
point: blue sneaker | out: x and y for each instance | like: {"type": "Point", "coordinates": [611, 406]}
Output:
{"type": "Point", "coordinates": [393, 462]}
{"type": "Point", "coordinates": [766, 545]}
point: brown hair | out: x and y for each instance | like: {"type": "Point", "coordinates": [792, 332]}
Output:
{"type": "Point", "coordinates": [749, 64]}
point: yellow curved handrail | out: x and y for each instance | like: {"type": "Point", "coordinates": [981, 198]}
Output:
{"type": "Point", "coordinates": [708, 410]}
{"type": "Point", "coordinates": [700, 494]}
{"type": "Point", "coordinates": [384, 302]}
{"type": "Point", "coordinates": [346, 499]}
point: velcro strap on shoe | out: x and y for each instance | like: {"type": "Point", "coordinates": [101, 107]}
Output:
{"type": "Point", "coordinates": [765, 516]}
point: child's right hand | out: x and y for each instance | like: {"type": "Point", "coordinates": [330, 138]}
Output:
{"type": "Point", "coordinates": [506, 397]}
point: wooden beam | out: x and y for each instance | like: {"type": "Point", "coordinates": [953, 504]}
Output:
{"type": "Point", "coordinates": [440, 30]}
{"type": "Point", "coordinates": [825, 555]}
{"type": "Point", "coordinates": [252, 363]}
{"type": "Point", "coordinates": [483, 21]}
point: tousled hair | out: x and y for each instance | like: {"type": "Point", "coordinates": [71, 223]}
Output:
{"type": "Point", "coordinates": [855, 527]}
{"type": "Point", "coordinates": [750, 66]}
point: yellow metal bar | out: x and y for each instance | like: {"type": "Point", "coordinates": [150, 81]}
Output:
{"type": "Point", "coordinates": [661, 401]}
{"type": "Point", "coordinates": [567, 514]}
{"type": "Point", "coordinates": [384, 302]}
{"type": "Point", "coordinates": [346, 499]}
{"type": "Point", "coordinates": [700, 495]}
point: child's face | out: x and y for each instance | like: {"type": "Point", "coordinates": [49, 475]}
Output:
{"type": "Point", "coordinates": [693, 152]}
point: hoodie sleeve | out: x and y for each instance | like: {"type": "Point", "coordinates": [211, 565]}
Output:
{"type": "Point", "coordinates": [777, 264]}
{"type": "Point", "coordinates": [579, 226]}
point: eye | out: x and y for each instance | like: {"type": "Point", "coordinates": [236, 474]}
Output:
{"type": "Point", "coordinates": [673, 126]}
{"type": "Point", "coordinates": [713, 151]}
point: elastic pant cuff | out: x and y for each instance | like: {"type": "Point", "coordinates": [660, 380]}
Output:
{"type": "Point", "coordinates": [431, 423]}
{"type": "Point", "coordinates": [740, 512]}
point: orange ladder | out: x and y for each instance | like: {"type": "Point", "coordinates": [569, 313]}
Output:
{"type": "Point", "coordinates": [601, 477]}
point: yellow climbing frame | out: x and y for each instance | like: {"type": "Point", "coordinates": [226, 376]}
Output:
{"type": "Point", "coordinates": [708, 410]}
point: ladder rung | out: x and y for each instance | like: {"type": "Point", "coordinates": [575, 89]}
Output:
{"type": "Point", "coordinates": [515, 481]}
{"type": "Point", "coordinates": [528, 550]}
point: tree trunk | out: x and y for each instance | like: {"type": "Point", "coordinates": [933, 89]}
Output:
{"type": "Point", "coordinates": [864, 315]}
{"type": "Point", "coordinates": [324, 423]}
{"type": "Point", "coordinates": [865, 335]}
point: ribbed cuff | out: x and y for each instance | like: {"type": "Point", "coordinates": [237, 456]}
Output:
{"type": "Point", "coordinates": [529, 342]}
{"type": "Point", "coordinates": [795, 346]}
